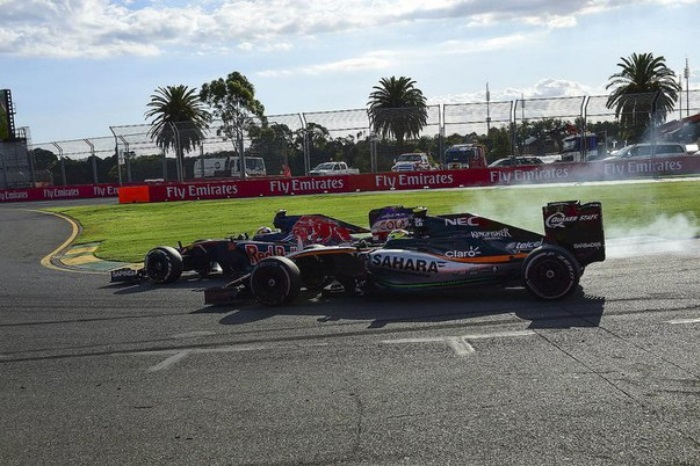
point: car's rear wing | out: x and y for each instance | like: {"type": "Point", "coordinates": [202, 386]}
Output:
{"type": "Point", "coordinates": [576, 227]}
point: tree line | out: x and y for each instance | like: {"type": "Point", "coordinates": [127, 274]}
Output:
{"type": "Point", "coordinates": [179, 117]}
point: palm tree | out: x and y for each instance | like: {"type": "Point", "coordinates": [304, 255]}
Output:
{"type": "Point", "coordinates": [644, 91]}
{"type": "Point", "coordinates": [179, 120]}
{"type": "Point", "coordinates": [397, 108]}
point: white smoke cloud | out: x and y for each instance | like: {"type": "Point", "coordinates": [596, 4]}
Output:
{"type": "Point", "coordinates": [662, 234]}
{"type": "Point", "coordinates": [676, 234]}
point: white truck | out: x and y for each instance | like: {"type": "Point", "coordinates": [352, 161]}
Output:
{"type": "Point", "coordinates": [224, 167]}
{"type": "Point", "coordinates": [333, 168]}
{"type": "Point", "coordinates": [412, 161]}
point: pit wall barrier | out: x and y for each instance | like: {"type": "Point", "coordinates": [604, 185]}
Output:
{"type": "Point", "coordinates": [278, 186]}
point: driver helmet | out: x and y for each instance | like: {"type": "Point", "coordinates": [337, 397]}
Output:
{"type": "Point", "coordinates": [397, 234]}
{"type": "Point", "coordinates": [263, 230]}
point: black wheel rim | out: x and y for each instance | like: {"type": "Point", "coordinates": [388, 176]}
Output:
{"type": "Point", "coordinates": [551, 277]}
{"type": "Point", "coordinates": [270, 286]}
{"type": "Point", "coordinates": [157, 268]}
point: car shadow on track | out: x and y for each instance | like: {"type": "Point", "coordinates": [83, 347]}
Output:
{"type": "Point", "coordinates": [578, 310]}
{"type": "Point", "coordinates": [188, 282]}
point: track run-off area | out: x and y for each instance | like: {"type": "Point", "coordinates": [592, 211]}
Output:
{"type": "Point", "coordinates": [95, 373]}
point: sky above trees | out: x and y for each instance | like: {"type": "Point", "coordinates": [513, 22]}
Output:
{"type": "Point", "coordinates": [77, 67]}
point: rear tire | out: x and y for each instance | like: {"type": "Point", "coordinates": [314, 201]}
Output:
{"type": "Point", "coordinates": [163, 265]}
{"type": "Point", "coordinates": [551, 272]}
{"type": "Point", "coordinates": [275, 281]}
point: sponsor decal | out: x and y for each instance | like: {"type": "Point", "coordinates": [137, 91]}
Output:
{"type": "Point", "coordinates": [595, 244]}
{"type": "Point", "coordinates": [525, 176]}
{"type": "Point", "coordinates": [104, 191]}
{"type": "Point", "coordinates": [405, 263]}
{"type": "Point", "coordinates": [256, 253]}
{"type": "Point", "coordinates": [589, 217]}
{"type": "Point", "coordinates": [463, 221]}
{"type": "Point", "coordinates": [390, 224]}
{"type": "Point", "coordinates": [13, 195]}
{"type": "Point", "coordinates": [558, 219]}
{"type": "Point", "coordinates": [414, 180]}
{"type": "Point", "coordinates": [52, 193]}
{"type": "Point", "coordinates": [519, 246]}
{"type": "Point", "coordinates": [503, 233]}
{"type": "Point", "coordinates": [124, 273]}
{"type": "Point", "coordinates": [205, 190]}
{"type": "Point", "coordinates": [646, 167]}
{"type": "Point", "coordinates": [306, 185]}
{"type": "Point", "coordinates": [471, 252]}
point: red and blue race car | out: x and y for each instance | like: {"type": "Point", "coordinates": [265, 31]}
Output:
{"type": "Point", "coordinates": [236, 256]}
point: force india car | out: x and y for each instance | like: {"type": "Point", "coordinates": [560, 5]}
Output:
{"type": "Point", "coordinates": [437, 253]}
{"type": "Point", "coordinates": [237, 256]}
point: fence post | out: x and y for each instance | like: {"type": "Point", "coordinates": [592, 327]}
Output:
{"type": "Point", "coordinates": [441, 135]}
{"type": "Point", "coordinates": [94, 161]}
{"type": "Point", "coordinates": [305, 144]}
{"type": "Point", "coordinates": [584, 122]}
{"type": "Point", "coordinates": [116, 154]}
{"type": "Point", "coordinates": [513, 110]}
{"type": "Point", "coordinates": [165, 164]}
{"type": "Point", "coordinates": [178, 153]}
{"type": "Point", "coordinates": [61, 162]}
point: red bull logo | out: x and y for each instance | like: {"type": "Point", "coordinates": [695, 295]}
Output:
{"type": "Point", "coordinates": [256, 253]}
{"type": "Point", "coordinates": [319, 230]}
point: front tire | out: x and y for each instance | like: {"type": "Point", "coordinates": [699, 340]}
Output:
{"type": "Point", "coordinates": [163, 265]}
{"type": "Point", "coordinates": [275, 281]}
{"type": "Point", "coordinates": [551, 272]}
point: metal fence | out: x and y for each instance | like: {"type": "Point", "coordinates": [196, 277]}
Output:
{"type": "Point", "coordinates": [130, 153]}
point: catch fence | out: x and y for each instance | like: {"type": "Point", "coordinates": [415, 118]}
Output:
{"type": "Point", "coordinates": [300, 141]}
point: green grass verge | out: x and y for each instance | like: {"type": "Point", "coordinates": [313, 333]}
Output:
{"type": "Point", "coordinates": [128, 231]}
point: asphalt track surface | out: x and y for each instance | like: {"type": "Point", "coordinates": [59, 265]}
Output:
{"type": "Point", "coordinates": [92, 373]}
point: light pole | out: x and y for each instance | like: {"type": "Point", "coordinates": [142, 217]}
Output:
{"type": "Point", "coordinates": [687, 90]}
{"type": "Point", "coordinates": [680, 96]}
{"type": "Point", "coordinates": [488, 110]}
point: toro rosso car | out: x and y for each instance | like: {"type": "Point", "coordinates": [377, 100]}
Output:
{"type": "Point", "coordinates": [237, 256]}
{"type": "Point", "coordinates": [437, 253]}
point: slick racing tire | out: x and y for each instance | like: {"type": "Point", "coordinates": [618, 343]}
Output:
{"type": "Point", "coordinates": [163, 265]}
{"type": "Point", "coordinates": [275, 281]}
{"type": "Point", "coordinates": [550, 272]}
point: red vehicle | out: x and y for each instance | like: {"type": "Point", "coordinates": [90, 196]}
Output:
{"type": "Point", "coordinates": [462, 156]}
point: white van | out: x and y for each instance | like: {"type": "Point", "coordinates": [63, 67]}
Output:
{"type": "Point", "coordinates": [221, 167]}
{"type": "Point", "coordinates": [646, 150]}
{"type": "Point", "coordinates": [254, 166]}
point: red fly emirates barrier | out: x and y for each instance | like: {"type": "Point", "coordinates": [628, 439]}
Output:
{"type": "Point", "coordinates": [540, 174]}
{"type": "Point", "coordinates": [59, 193]}
{"type": "Point", "coordinates": [278, 186]}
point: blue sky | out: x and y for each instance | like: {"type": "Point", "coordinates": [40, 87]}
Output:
{"type": "Point", "coordinates": [76, 67]}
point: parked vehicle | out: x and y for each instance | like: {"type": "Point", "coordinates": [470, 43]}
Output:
{"type": "Point", "coordinates": [516, 161]}
{"type": "Point", "coordinates": [580, 147]}
{"type": "Point", "coordinates": [254, 166]}
{"type": "Point", "coordinates": [225, 167]}
{"type": "Point", "coordinates": [333, 168]}
{"type": "Point", "coordinates": [413, 161]}
{"type": "Point", "coordinates": [440, 253]}
{"type": "Point", "coordinates": [462, 156]}
{"type": "Point", "coordinates": [648, 150]}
